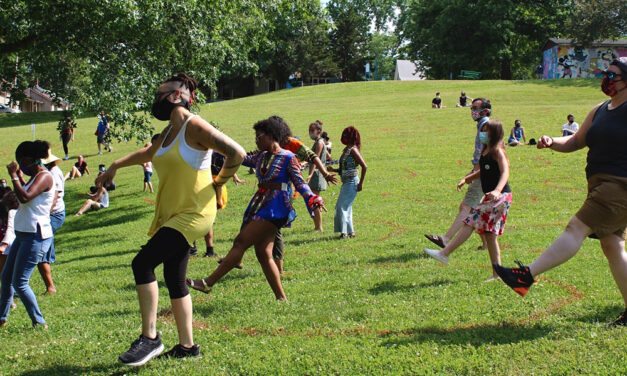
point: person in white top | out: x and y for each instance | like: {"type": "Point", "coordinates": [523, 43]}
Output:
{"type": "Point", "coordinates": [148, 169]}
{"type": "Point", "coordinates": [8, 208]}
{"type": "Point", "coordinates": [33, 232]}
{"type": "Point", "coordinates": [96, 201]}
{"type": "Point", "coordinates": [571, 127]}
{"type": "Point", "coordinates": [57, 218]}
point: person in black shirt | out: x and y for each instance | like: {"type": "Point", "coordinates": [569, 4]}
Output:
{"type": "Point", "coordinates": [437, 101]}
{"type": "Point", "coordinates": [79, 169]}
{"type": "Point", "coordinates": [463, 100]}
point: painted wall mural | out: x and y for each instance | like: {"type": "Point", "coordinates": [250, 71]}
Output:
{"type": "Point", "coordinates": [577, 62]}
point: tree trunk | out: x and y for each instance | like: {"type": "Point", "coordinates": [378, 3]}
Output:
{"type": "Point", "coordinates": [506, 69]}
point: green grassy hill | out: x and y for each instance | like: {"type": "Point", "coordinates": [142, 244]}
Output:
{"type": "Point", "coordinates": [370, 305]}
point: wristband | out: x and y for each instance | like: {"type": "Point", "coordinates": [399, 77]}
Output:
{"type": "Point", "coordinates": [15, 179]}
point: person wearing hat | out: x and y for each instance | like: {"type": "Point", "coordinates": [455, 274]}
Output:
{"type": "Point", "coordinates": [603, 214]}
{"type": "Point", "coordinates": [57, 217]}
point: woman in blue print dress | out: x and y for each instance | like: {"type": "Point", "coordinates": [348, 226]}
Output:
{"type": "Point", "coordinates": [269, 209]}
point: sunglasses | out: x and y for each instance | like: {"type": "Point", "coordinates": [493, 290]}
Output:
{"type": "Point", "coordinates": [611, 75]}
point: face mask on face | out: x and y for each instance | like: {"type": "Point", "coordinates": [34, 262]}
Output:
{"type": "Point", "coordinates": [313, 136]}
{"type": "Point", "coordinates": [484, 138]}
{"type": "Point", "coordinates": [608, 86]}
{"type": "Point", "coordinates": [3, 185]}
{"type": "Point", "coordinates": [26, 168]}
{"type": "Point", "coordinates": [517, 125]}
{"type": "Point", "coordinates": [161, 109]}
{"type": "Point", "coordinates": [476, 114]}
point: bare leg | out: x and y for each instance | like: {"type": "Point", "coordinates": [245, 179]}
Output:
{"type": "Point", "coordinates": [182, 309]}
{"type": "Point", "coordinates": [209, 238]}
{"type": "Point", "coordinates": [46, 275]}
{"type": "Point", "coordinates": [88, 204]}
{"type": "Point", "coordinates": [493, 249]}
{"type": "Point", "coordinates": [317, 218]}
{"type": "Point", "coordinates": [145, 186]}
{"type": "Point", "coordinates": [563, 248]}
{"type": "Point", "coordinates": [263, 250]}
{"type": "Point", "coordinates": [148, 295]}
{"type": "Point", "coordinates": [150, 186]}
{"type": "Point", "coordinates": [614, 249]}
{"type": "Point", "coordinates": [461, 237]}
{"type": "Point", "coordinates": [464, 211]}
{"type": "Point", "coordinates": [279, 265]}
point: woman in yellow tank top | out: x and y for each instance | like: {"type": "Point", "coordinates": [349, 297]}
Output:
{"type": "Point", "coordinates": [184, 212]}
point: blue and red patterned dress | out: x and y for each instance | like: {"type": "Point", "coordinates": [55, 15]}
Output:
{"type": "Point", "coordinates": [275, 204]}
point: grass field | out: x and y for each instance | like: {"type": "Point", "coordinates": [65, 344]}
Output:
{"type": "Point", "coordinates": [371, 305]}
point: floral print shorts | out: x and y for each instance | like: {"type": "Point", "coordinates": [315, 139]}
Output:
{"type": "Point", "coordinates": [490, 216]}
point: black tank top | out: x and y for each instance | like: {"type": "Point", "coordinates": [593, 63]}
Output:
{"type": "Point", "coordinates": [607, 142]}
{"type": "Point", "coordinates": [490, 174]}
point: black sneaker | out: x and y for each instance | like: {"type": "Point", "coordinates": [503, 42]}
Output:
{"type": "Point", "coordinates": [519, 279]}
{"type": "Point", "coordinates": [193, 250]}
{"type": "Point", "coordinates": [621, 321]}
{"type": "Point", "coordinates": [141, 351]}
{"type": "Point", "coordinates": [179, 351]}
{"type": "Point", "coordinates": [210, 253]}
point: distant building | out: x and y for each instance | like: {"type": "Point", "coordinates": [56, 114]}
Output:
{"type": "Point", "coordinates": [562, 59]}
{"type": "Point", "coordinates": [40, 99]}
{"type": "Point", "coordinates": [406, 70]}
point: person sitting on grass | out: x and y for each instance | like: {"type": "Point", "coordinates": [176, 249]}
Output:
{"type": "Point", "coordinates": [437, 101]}
{"type": "Point", "coordinates": [79, 169]}
{"type": "Point", "coordinates": [464, 101]}
{"type": "Point", "coordinates": [571, 127]}
{"type": "Point", "coordinates": [516, 134]}
{"type": "Point", "coordinates": [96, 201]}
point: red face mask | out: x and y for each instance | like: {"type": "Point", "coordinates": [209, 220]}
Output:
{"type": "Point", "coordinates": [609, 87]}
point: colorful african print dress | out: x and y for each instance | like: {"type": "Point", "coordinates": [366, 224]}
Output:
{"type": "Point", "coordinates": [272, 204]}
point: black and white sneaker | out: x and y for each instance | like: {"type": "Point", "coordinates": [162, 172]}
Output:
{"type": "Point", "coordinates": [193, 250]}
{"type": "Point", "coordinates": [141, 351]}
{"type": "Point", "coordinates": [621, 321]}
{"type": "Point", "coordinates": [179, 351]}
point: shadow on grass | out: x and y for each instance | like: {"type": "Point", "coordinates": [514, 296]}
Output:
{"type": "Point", "coordinates": [98, 255]}
{"type": "Point", "coordinates": [488, 334]}
{"type": "Point", "coordinates": [106, 369]}
{"type": "Point", "coordinates": [602, 316]}
{"type": "Point", "coordinates": [402, 258]}
{"type": "Point", "coordinates": [388, 287]}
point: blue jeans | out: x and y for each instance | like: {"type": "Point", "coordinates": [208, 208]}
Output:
{"type": "Point", "coordinates": [56, 221]}
{"type": "Point", "coordinates": [343, 221]}
{"type": "Point", "coordinates": [26, 251]}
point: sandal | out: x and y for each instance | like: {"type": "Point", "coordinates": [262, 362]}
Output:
{"type": "Point", "coordinates": [239, 266]}
{"type": "Point", "coordinates": [351, 235]}
{"type": "Point", "coordinates": [205, 288]}
{"type": "Point", "coordinates": [436, 239]}
{"type": "Point", "coordinates": [343, 236]}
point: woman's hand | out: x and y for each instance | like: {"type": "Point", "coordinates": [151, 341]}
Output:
{"type": "Point", "coordinates": [330, 178]}
{"type": "Point", "coordinates": [218, 189]}
{"type": "Point", "coordinates": [461, 184]}
{"type": "Point", "coordinates": [318, 202]}
{"type": "Point", "coordinates": [3, 248]}
{"type": "Point", "coordinates": [545, 142]}
{"type": "Point", "coordinates": [13, 169]}
{"type": "Point", "coordinates": [360, 187]}
{"type": "Point", "coordinates": [237, 180]}
{"type": "Point", "coordinates": [106, 178]}
{"type": "Point", "coordinates": [493, 195]}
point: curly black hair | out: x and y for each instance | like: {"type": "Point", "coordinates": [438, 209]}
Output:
{"type": "Point", "coordinates": [32, 149]}
{"type": "Point", "coordinates": [275, 127]}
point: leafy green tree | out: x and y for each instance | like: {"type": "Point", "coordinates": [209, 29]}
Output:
{"type": "Point", "coordinates": [597, 19]}
{"type": "Point", "coordinates": [383, 49]}
{"type": "Point", "coordinates": [500, 38]}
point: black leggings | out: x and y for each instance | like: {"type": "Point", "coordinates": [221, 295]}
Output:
{"type": "Point", "coordinates": [65, 138]}
{"type": "Point", "coordinates": [169, 247]}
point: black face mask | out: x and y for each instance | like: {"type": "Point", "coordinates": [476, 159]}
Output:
{"type": "Point", "coordinates": [163, 108]}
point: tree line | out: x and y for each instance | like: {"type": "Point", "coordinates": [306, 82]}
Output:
{"type": "Point", "coordinates": [111, 54]}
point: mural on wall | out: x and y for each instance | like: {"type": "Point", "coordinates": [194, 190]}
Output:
{"type": "Point", "coordinates": [577, 62]}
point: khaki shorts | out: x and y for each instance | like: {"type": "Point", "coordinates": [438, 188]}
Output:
{"type": "Point", "coordinates": [605, 208]}
{"type": "Point", "coordinates": [474, 194]}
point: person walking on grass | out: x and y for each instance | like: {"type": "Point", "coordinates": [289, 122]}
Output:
{"type": "Point", "coordinates": [269, 209]}
{"type": "Point", "coordinates": [57, 218]}
{"type": "Point", "coordinates": [32, 228]}
{"type": "Point", "coordinates": [184, 211]}
{"type": "Point", "coordinates": [102, 130]}
{"type": "Point", "coordinates": [489, 216]}
{"type": "Point", "coordinates": [603, 214]}
{"type": "Point", "coordinates": [350, 161]}
{"type": "Point", "coordinates": [480, 110]}
{"type": "Point", "coordinates": [67, 134]}
{"type": "Point", "coordinates": [316, 179]}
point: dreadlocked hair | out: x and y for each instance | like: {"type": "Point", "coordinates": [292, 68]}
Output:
{"type": "Point", "coordinates": [190, 83]}
{"type": "Point", "coordinates": [351, 136]}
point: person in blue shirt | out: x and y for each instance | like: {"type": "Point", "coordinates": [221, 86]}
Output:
{"type": "Point", "coordinates": [101, 132]}
{"type": "Point", "coordinates": [516, 134]}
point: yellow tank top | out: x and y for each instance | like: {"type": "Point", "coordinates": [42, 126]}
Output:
{"type": "Point", "coordinates": [186, 199]}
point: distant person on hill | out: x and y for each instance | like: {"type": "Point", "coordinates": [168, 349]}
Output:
{"type": "Point", "coordinates": [464, 101]}
{"type": "Point", "coordinates": [269, 209]}
{"type": "Point", "coordinates": [102, 130]}
{"type": "Point", "coordinates": [352, 182]}
{"type": "Point", "coordinates": [516, 134]}
{"type": "Point", "coordinates": [33, 232]}
{"type": "Point", "coordinates": [489, 216]}
{"type": "Point", "coordinates": [437, 101]}
{"type": "Point", "coordinates": [603, 214]}
{"type": "Point", "coordinates": [185, 209]}
{"type": "Point", "coordinates": [571, 127]}
{"type": "Point", "coordinates": [480, 111]}
{"type": "Point", "coordinates": [96, 201]}
{"type": "Point", "coordinates": [79, 169]}
{"type": "Point", "coordinates": [57, 218]}
{"type": "Point", "coordinates": [539, 71]}
{"type": "Point", "coordinates": [67, 134]}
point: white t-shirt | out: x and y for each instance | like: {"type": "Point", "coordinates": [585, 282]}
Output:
{"type": "Point", "coordinates": [104, 199]}
{"type": "Point", "coordinates": [59, 185]}
{"type": "Point", "coordinates": [9, 235]}
{"type": "Point", "coordinates": [574, 127]}
{"type": "Point", "coordinates": [36, 212]}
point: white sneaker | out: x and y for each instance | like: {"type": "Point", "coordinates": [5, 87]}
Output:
{"type": "Point", "coordinates": [66, 158]}
{"type": "Point", "coordinates": [437, 255]}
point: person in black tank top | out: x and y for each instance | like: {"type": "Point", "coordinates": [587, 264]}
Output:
{"type": "Point", "coordinates": [604, 212]}
{"type": "Point", "coordinates": [488, 218]}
